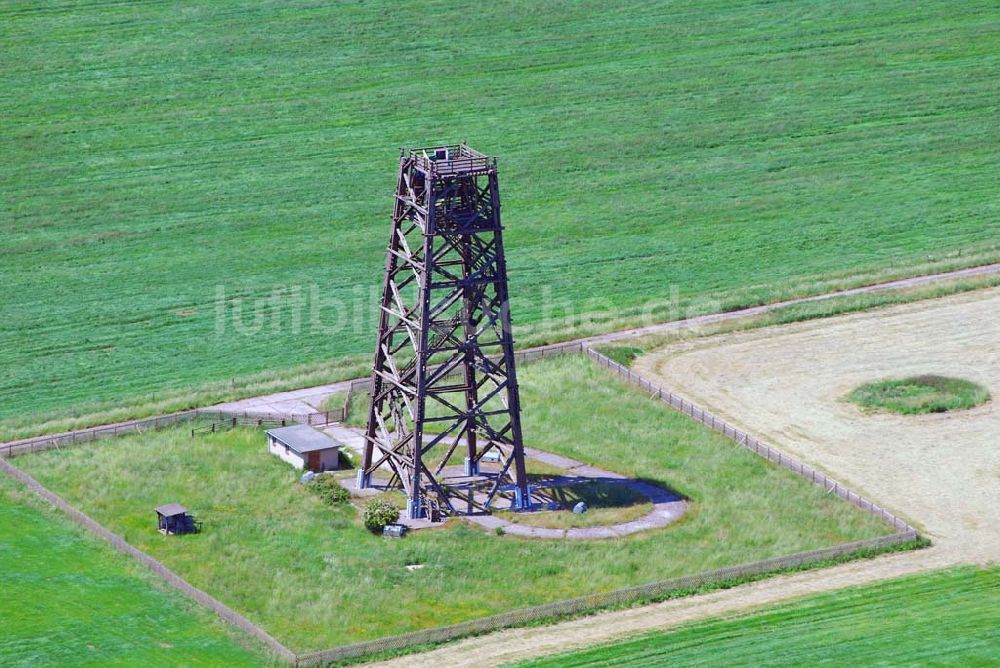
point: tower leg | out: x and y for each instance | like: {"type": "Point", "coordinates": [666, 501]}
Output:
{"type": "Point", "coordinates": [522, 498]}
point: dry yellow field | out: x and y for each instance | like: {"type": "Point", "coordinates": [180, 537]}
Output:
{"type": "Point", "coordinates": [787, 385]}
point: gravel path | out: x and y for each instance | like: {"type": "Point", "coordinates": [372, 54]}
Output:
{"type": "Point", "coordinates": [667, 506]}
{"type": "Point", "coordinates": [513, 645]}
{"type": "Point", "coordinates": [295, 402]}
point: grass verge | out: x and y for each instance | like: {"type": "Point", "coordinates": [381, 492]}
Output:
{"type": "Point", "coordinates": [710, 586]}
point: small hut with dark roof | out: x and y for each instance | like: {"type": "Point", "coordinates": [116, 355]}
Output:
{"type": "Point", "coordinates": [173, 518]}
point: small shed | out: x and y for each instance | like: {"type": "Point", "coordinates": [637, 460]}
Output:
{"type": "Point", "coordinates": [304, 448]}
{"type": "Point", "coordinates": [173, 518]}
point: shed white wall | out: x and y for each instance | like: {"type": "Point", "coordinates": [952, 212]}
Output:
{"type": "Point", "coordinates": [284, 453]}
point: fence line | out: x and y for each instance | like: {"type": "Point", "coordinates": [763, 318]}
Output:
{"type": "Point", "coordinates": [629, 595]}
{"type": "Point", "coordinates": [751, 443]}
{"type": "Point", "coordinates": [709, 420]}
{"type": "Point", "coordinates": [224, 423]}
{"type": "Point", "coordinates": [904, 534]}
{"type": "Point", "coordinates": [47, 442]}
{"type": "Point", "coordinates": [197, 595]}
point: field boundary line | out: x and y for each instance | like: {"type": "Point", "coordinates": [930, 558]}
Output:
{"type": "Point", "coordinates": [226, 613]}
{"type": "Point", "coordinates": [723, 316]}
{"type": "Point", "coordinates": [647, 592]}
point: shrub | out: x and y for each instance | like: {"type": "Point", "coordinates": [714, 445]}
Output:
{"type": "Point", "coordinates": [346, 460]}
{"type": "Point", "coordinates": [378, 513]}
{"type": "Point", "coordinates": [328, 489]}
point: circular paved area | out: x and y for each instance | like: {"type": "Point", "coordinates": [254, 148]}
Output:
{"type": "Point", "coordinates": [667, 506]}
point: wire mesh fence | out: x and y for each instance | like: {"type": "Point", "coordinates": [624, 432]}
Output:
{"type": "Point", "coordinates": [233, 421]}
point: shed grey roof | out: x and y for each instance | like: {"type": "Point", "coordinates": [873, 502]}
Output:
{"type": "Point", "coordinates": [171, 509]}
{"type": "Point", "coordinates": [303, 438]}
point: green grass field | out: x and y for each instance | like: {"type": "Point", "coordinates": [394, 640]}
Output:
{"type": "Point", "coordinates": [68, 600]}
{"type": "Point", "coordinates": [314, 577]}
{"type": "Point", "coordinates": [650, 151]}
{"type": "Point", "coordinates": [948, 618]}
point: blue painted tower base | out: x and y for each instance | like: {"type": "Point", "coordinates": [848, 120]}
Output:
{"type": "Point", "coordinates": [522, 501]}
{"type": "Point", "coordinates": [414, 510]}
{"type": "Point", "coordinates": [471, 467]}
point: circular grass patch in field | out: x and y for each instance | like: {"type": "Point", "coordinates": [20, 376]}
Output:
{"type": "Point", "coordinates": [920, 394]}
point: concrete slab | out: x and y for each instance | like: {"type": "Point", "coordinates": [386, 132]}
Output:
{"type": "Point", "coordinates": [594, 533]}
{"type": "Point", "coordinates": [552, 459]}
{"type": "Point", "coordinates": [534, 532]}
